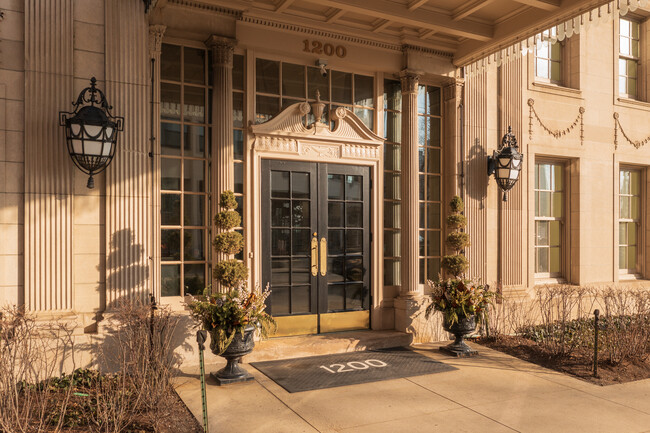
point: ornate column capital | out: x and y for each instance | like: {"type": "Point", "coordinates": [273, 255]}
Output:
{"type": "Point", "coordinates": [222, 50]}
{"type": "Point", "coordinates": [410, 80]}
{"type": "Point", "coordinates": [156, 33]}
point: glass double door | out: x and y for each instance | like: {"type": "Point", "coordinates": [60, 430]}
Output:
{"type": "Point", "coordinates": [316, 245]}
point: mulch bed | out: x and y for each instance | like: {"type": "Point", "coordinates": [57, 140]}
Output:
{"type": "Point", "coordinates": [172, 417]}
{"type": "Point", "coordinates": [580, 364]}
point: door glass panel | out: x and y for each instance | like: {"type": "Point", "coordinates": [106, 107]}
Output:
{"type": "Point", "coordinates": [281, 300]}
{"type": "Point", "coordinates": [354, 215]}
{"type": "Point", "coordinates": [335, 186]}
{"type": "Point", "coordinates": [353, 187]}
{"type": "Point", "coordinates": [300, 271]}
{"type": "Point", "coordinates": [279, 271]}
{"type": "Point", "coordinates": [300, 185]}
{"type": "Point", "coordinates": [194, 175]}
{"type": "Point", "coordinates": [354, 296]}
{"type": "Point", "coordinates": [354, 241]}
{"type": "Point", "coordinates": [300, 214]}
{"type": "Point", "coordinates": [335, 297]}
{"type": "Point", "coordinates": [335, 214]}
{"type": "Point", "coordinates": [193, 244]}
{"type": "Point", "coordinates": [280, 184]}
{"type": "Point", "coordinates": [335, 269]}
{"type": "Point", "coordinates": [300, 241]}
{"type": "Point", "coordinates": [354, 268]}
{"type": "Point", "coordinates": [300, 299]}
{"type": "Point", "coordinates": [280, 239]}
{"type": "Point", "coordinates": [335, 242]}
{"type": "Point", "coordinates": [280, 213]}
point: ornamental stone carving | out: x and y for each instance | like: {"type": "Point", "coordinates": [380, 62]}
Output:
{"type": "Point", "coordinates": [222, 50]}
{"type": "Point", "coordinates": [156, 33]}
{"type": "Point", "coordinates": [410, 81]}
{"type": "Point", "coordinates": [320, 151]}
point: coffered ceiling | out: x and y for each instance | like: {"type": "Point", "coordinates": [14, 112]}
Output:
{"type": "Point", "coordinates": [467, 29]}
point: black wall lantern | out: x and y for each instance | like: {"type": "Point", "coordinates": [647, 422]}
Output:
{"type": "Point", "coordinates": [506, 163]}
{"type": "Point", "coordinates": [91, 131]}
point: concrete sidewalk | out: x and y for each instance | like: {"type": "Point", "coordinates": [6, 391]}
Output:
{"type": "Point", "coordinates": [493, 392]}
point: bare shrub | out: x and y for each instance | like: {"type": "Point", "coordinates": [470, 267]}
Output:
{"type": "Point", "coordinates": [508, 317]}
{"type": "Point", "coordinates": [141, 350]}
{"type": "Point", "coordinates": [31, 353]}
{"type": "Point", "coordinates": [625, 327]}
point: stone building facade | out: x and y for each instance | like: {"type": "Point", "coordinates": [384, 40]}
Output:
{"type": "Point", "coordinates": [343, 214]}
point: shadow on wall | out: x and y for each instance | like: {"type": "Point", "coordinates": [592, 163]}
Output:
{"type": "Point", "coordinates": [125, 323]}
{"type": "Point", "coordinates": [476, 173]}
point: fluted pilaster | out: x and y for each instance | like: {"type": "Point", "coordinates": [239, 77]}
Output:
{"type": "Point", "coordinates": [129, 222]}
{"type": "Point", "coordinates": [156, 33]}
{"type": "Point", "coordinates": [222, 122]}
{"type": "Point", "coordinates": [410, 214]}
{"type": "Point", "coordinates": [48, 169]}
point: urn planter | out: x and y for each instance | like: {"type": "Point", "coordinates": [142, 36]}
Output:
{"type": "Point", "coordinates": [238, 347]}
{"type": "Point", "coordinates": [463, 327]}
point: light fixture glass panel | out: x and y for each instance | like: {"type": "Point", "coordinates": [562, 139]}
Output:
{"type": "Point", "coordinates": [92, 130]}
{"type": "Point", "coordinates": [93, 147]}
{"type": "Point", "coordinates": [77, 146]}
{"type": "Point", "coordinates": [503, 173]}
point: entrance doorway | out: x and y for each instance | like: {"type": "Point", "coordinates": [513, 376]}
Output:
{"type": "Point", "coordinates": [316, 245]}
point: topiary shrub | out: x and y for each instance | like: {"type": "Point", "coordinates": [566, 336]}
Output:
{"type": "Point", "coordinates": [455, 264]}
{"type": "Point", "coordinates": [457, 240]}
{"type": "Point", "coordinates": [228, 242]}
{"type": "Point", "coordinates": [456, 221]}
{"type": "Point", "coordinates": [227, 200]}
{"type": "Point", "coordinates": [457, 205]}
{"type": "Point", "coordinates": [231, 273]}
{"type": "Point", "coordinates": [227, 219]}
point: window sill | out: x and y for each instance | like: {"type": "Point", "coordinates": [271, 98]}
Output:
{"type": "Point", "coordinates": [632, 103]}
{"type": "Point", "coordinates": [629, 277]}
{"type": "Point", "coordinates": [556, 89]}
{"type": "Point", "coordinates": [545, 281]}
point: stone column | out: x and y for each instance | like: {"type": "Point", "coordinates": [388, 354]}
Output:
{"type": "Point", "coordinates": [156, 33]}
{"type": "Point", "coordinates": [222, 123]}
{"type": "Point", "coordinates": [408, 303]}
{"type": "Point", "coordinates": [409, 187]}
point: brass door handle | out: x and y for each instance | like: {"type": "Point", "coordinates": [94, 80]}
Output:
{"type": "Point", "coordinates": [314, 255]}
{"type": "Point", "coordinates": [323, 256]}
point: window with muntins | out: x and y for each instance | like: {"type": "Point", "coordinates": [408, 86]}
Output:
{"type": "Point", "coordinates": [429, 159]}
{"type": "Point", "coordinates": [628, 58]}
{"type": "Point", "coordinates": [629, 222]}
{"type": "Point", "coordinates": [184, 143]}
{"type": "Point", "coordinates": [280, 84]}
{"type": "Point", "coordinates": [392, 185]}
{"type": "Point", "coordinates": [549, 219]}
{"type": "Point", "coordinates": [239, 135]}
{"type": "Point", "coordinates": [548, 57]}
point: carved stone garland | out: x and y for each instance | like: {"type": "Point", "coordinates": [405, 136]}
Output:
{"type": "Point", "coordinates": [617, 126]}
{"type": "Point", "coordinates": [558, 132]}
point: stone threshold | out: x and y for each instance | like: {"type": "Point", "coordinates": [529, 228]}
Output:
{"type": "Point", "coordinates": [324, 344]}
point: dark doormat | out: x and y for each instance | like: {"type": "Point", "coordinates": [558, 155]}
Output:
{"type": "Point", "coordinates": [351, 368]}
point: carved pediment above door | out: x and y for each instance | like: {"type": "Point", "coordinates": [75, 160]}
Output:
{"type": "Point", "coordinates": [286, 133]}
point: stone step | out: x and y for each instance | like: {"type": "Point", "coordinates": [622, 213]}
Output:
{"type": "Point", "coordinates": [325, 344]}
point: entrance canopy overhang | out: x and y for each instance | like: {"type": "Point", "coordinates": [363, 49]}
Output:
{"type": "Point", "coordinates": [467, 30]}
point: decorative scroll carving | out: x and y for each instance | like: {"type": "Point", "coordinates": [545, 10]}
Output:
{"type": "Point", "coordinates": [558, 132]}
{"type": "Point", "coordinates": [617, 126]}
{"type": "Point", "coordinates": [320, 150]}
{"type": "Point", "coordinates": [287, 133]}
{"type": "Point", "coordinates": [222, 50]}
{"type": "Point", "coordinates": [156, 33]}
